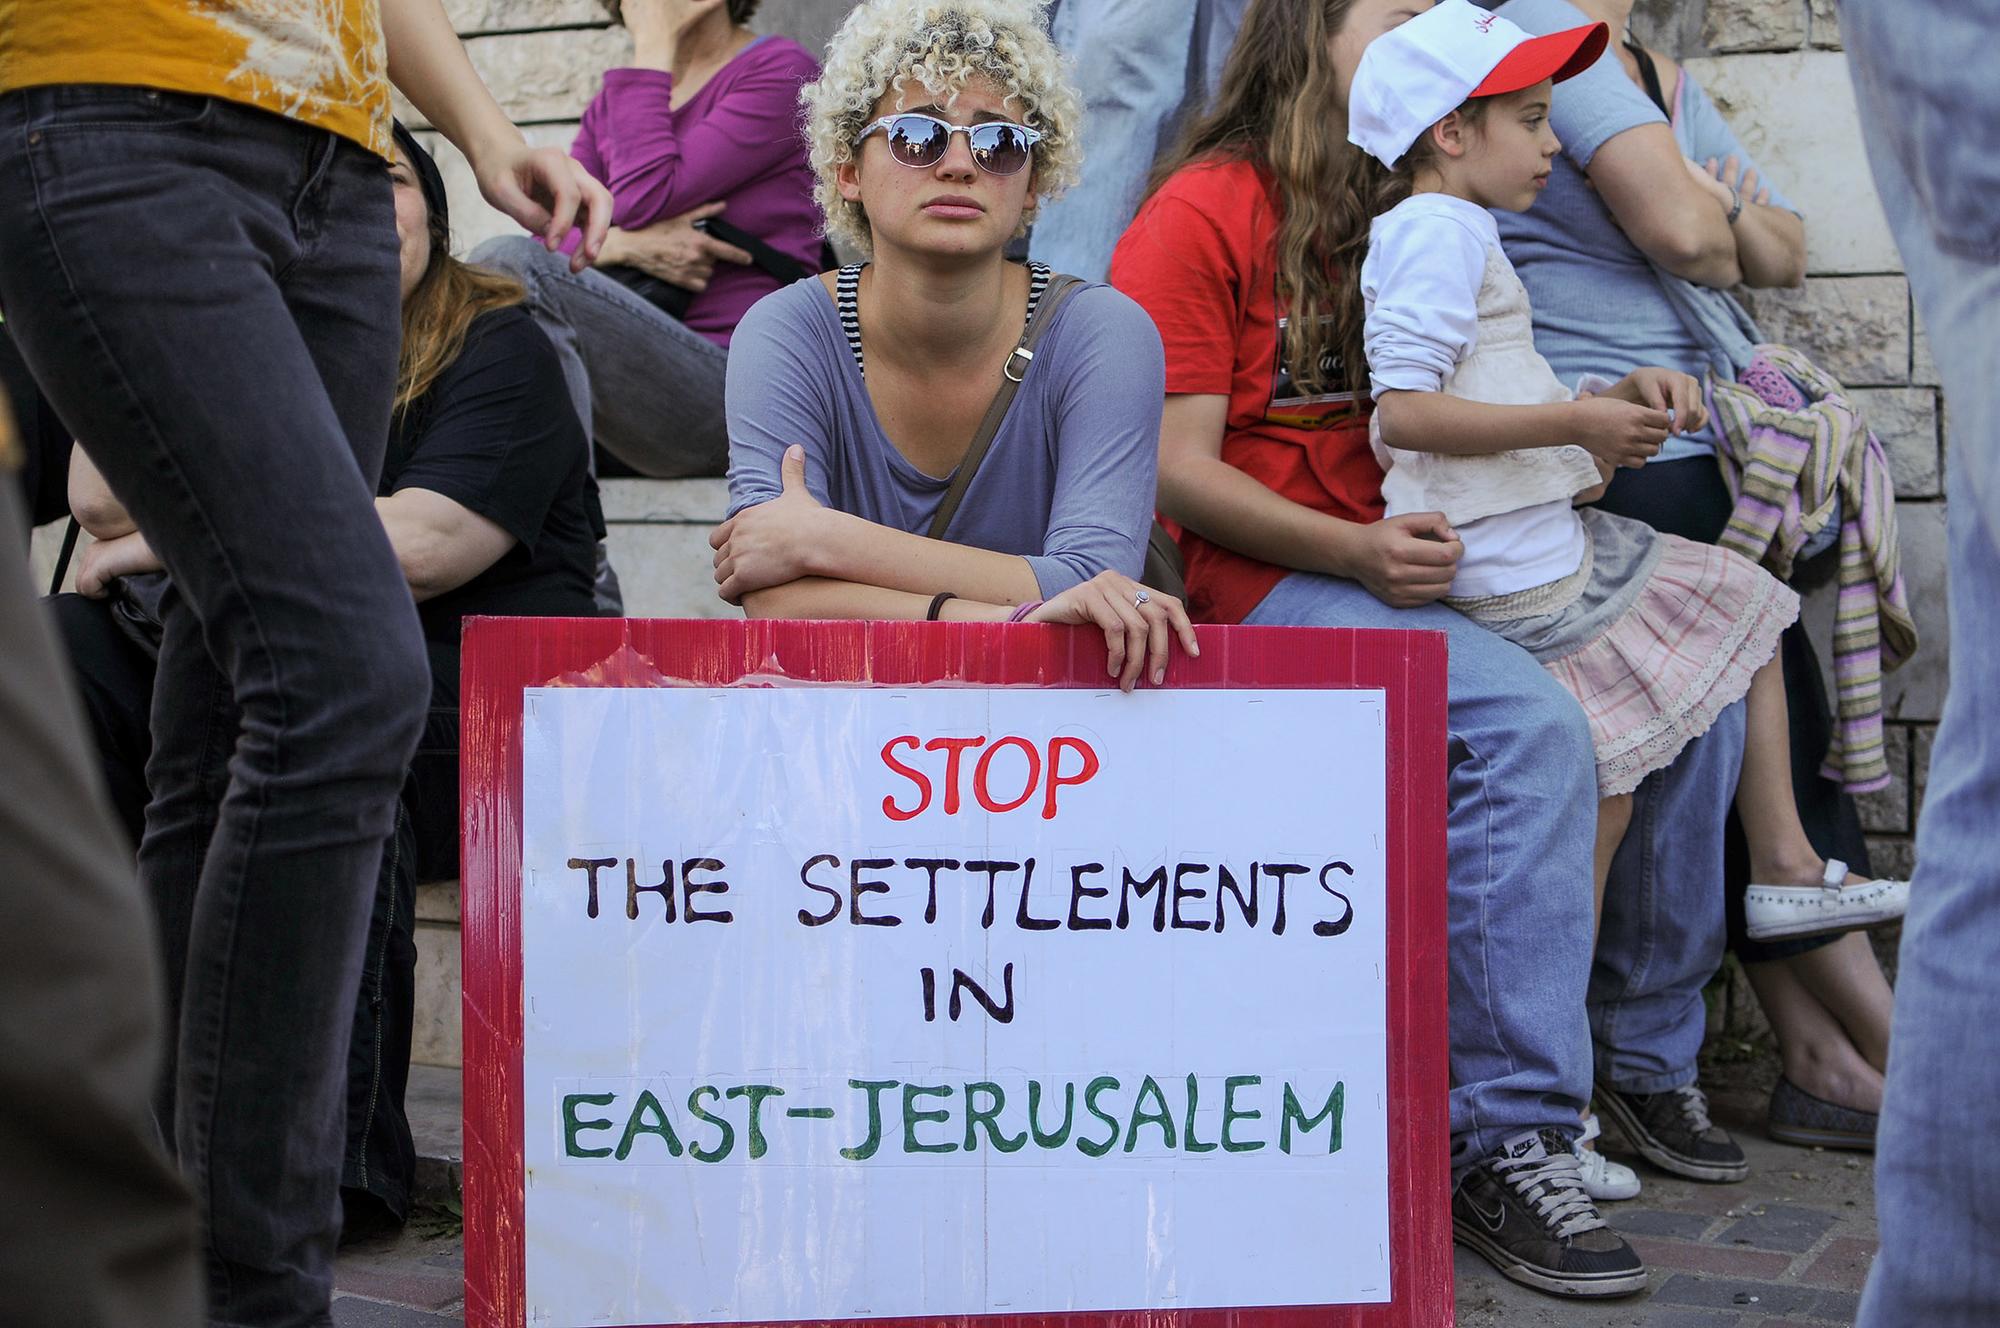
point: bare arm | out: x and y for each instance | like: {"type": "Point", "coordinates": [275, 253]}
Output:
{"type": "Point", "coordinates": [1771, 246]}
{"type": "Point", "coordinates": [1140, 626]}
{"type": "Point", "coordinates": [793, 536]}
{"type": "Point", "coordinates": [1404, 561]}
{"type": "Point", "coordinates": [105, 560]}
{"type": "Point", "coordinates": [1440, 422]}
{"type": "Point", "coordinates": [91, 501]}
{"type": "Point", "coordinates": [1770, 241]}
{"type": "Point", "coordinates": [823, 597]}
{"type": "Point", "coordinates": [1643, 179]}
{"type": "Point", "coordinates": [541, 188]}
{"type": "Point", "coordinates": [440, 544]}
{"type": "Point", "coordinates": [1221, 503]}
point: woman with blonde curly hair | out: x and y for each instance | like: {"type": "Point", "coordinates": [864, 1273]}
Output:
{"type": "Point", "coordinates": [936, 130]}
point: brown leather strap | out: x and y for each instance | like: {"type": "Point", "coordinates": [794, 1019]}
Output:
{"type": "Point", "coordinates": [1061, 286]}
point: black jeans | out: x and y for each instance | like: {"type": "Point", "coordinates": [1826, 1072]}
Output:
{"type": "Point", "coordinates": [115, 674]}
{"type": "Point", "coordinates": [1689, 498]}
{"type": "Point", "coordinates": [207, 295]}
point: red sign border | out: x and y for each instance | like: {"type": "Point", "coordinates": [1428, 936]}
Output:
{"type": "Point", "coordinates": [504, 656]}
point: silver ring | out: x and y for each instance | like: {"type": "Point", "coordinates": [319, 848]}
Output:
{"type": "Point", "coordinates": [1141, 598]}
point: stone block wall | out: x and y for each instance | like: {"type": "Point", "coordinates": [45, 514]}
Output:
{"type": "Point", "coordinates": [1774, 66]}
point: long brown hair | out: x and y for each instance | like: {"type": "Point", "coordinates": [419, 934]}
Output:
{"type": "Point", "coordinates": [437, 315]}
{"type": "Point", "coordinates": [1271, 110]}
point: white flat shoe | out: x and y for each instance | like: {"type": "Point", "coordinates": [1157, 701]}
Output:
{"type": "Point", "coordinates": [1771, 912]}
{"type": "Point", "coordinates": [1603, 1180]}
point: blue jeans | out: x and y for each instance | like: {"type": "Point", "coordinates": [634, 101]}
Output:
{"type": "Point", "coordinates": [648, 389]}
{"type": "Point", "coordinates": [1522, 799]}
{"type": "Point", "coordinates": [1932, 122]}
{"type": "Point", "coordinates": [1142, 66]}
{"type": "Point", "coordinates": [208, 296]}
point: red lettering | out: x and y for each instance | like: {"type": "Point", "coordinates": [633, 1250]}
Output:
{"type": "Point", "coordinates": [951, 747]}
{"type": "Point", "coordinates": [889, 807]}
{"type": "Point", "coordinates": [983, 791]}
{"type": "Point", "coordinates": [1091, 765]}
{"type": "Point", "coordinates": [1045, 773]}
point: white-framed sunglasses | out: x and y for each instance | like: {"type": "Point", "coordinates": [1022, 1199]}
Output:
{"type": "Point", "coordinates": [999, 147]}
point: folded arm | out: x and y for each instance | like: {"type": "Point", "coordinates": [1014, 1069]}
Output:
{"type": "Point", "coordinates": [1675, 221]}
{"type": "Point", "coordinates": [91, 501]}
{"type": "Point", "coordinates": [440, 544]}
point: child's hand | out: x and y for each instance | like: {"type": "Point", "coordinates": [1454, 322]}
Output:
{"type": "Point", "coordinates": [1407, 560]}
{"type": "Point", "coordinates": [1617, 431]}
{"type": "Point", "coordinates": [1665, 389]}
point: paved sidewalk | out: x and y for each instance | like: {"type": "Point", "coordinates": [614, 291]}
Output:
{"type": "Point", "coordinates": [1787, 1248]}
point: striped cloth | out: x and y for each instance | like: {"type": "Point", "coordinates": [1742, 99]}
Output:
{"type": "Point", "coordinates": [1797, 455]}
{"type": "Point", "coordinates": [847, 297]}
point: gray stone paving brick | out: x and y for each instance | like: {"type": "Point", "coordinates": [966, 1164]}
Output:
{"type": "Point", "coordinates": [353, 1312]}
{"type": "Point", "coordinates": [1658, 1222]}
{"type": "Point", "coordinates": [1731, 1294]}
{"type": "Point", "coordinates": [1837, 1306]}
{"type": "Point", "coordinates": [1683, 1318]}
{"type": "Point", "coordinates": [1778, 1227]}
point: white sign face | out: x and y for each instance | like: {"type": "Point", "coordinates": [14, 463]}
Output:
{"type": "Point", "coordinates": [848, 1003]}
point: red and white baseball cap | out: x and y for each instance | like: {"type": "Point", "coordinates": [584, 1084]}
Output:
{"type": "Point", "coordinates": [1415, 74]}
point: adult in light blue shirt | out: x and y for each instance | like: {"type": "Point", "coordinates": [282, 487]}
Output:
{"type": "Point", "coordinates": [1627, 257]}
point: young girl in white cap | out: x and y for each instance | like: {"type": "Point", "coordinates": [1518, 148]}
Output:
{"type": "Point", "coordinates": [1653, 634]}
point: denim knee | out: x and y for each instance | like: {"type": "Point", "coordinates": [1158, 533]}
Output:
{"type": "Point", "coordinates": [1549, 733]}
{"type": "Point", "coordinates": [396, 689]}
{"type": "Point", "coordinates": [522, 257]}
{"type": "Point", "coordinates": [355, 725]}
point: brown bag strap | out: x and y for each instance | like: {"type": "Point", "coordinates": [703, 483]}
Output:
{"type": "Point", "coordinates": [1061, 286]}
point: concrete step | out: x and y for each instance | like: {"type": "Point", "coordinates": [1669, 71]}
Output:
{"type": "Point", "coordinates": [435, 1103]}
{"type": "Point", "coordinates": [658, 540]}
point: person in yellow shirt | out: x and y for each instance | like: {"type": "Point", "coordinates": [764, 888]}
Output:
{"type": "Point", "coordinates": [198, 263]}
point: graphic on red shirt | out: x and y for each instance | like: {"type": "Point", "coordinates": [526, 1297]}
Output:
{"type": "Point", "coordinates": [1201, 258]}
{"type": "Point", "coordinates": [1297, 408]}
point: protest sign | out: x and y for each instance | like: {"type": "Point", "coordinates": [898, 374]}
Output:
{"type": "Point", "coordinates": [838, 972]}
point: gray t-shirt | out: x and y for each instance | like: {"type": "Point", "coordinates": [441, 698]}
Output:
{"type": "Point", "coordinates": [1068, 483]}
{"type": "Point", "coordinates": [1598, 307]}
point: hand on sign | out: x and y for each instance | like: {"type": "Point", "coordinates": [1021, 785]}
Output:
{"type": "Point", "coordinates": [769, 544]}
{"type": "Point", "coordinates": [1139, 624]}
{"type": "Point", "coordinates": [1407, 560]}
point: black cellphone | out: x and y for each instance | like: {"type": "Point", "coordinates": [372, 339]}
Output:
{"type": "Point", "coordinates": [782, 266]}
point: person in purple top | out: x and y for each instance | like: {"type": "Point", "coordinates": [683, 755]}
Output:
{"type": "Point", "coordinates": [854, 399]}
{"type": "Point", "coordinates": [702, 124]}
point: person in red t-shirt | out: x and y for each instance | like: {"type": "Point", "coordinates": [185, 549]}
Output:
{"type": "Point", "coordinates": [1247, 256]}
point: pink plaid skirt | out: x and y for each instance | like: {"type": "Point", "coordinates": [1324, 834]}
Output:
{"type": "Point", "coordinates": [1655, 635]}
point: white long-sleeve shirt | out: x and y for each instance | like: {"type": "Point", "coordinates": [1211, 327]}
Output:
{"type": "Point", "coordinates": [1445, 313]}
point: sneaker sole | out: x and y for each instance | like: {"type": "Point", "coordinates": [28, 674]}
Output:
{"type": "Point", "coordinates": [1582, 1285]}
{"type": "Point", "coordinates": [1665, 1158]}
{"type": "Point", "coordinates": [1800, 1137]}
{"type": "Point", "coordinates": [1819, 927]}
